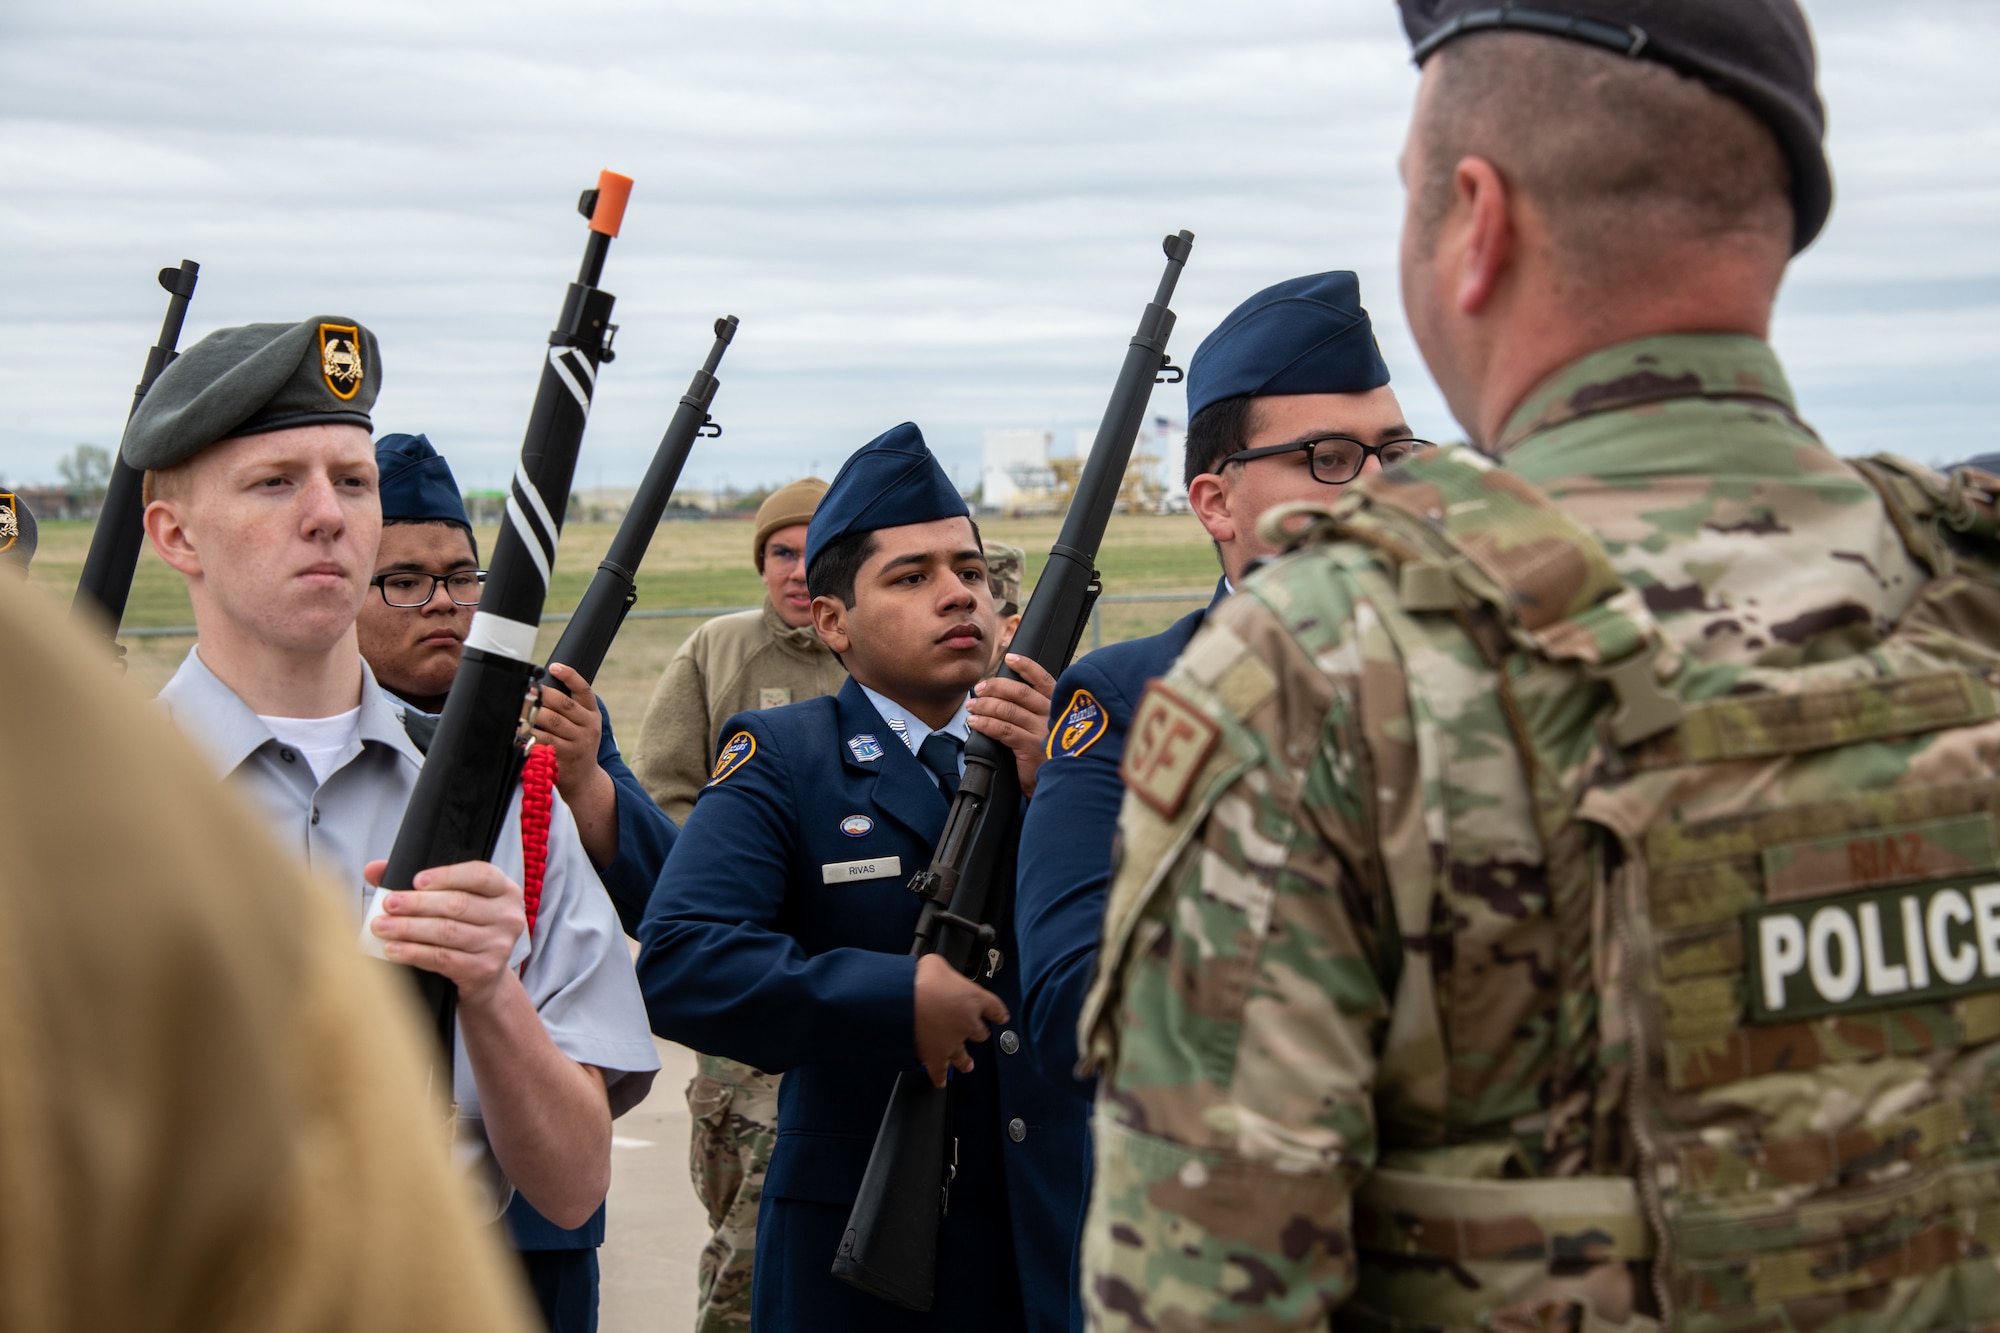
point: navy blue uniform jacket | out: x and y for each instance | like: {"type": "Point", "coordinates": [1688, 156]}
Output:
{"type": "Point", "coordinates": [1065, 863]}
{"type": "Point", "coordinates": [779, 935]}
{"type": "Point", "coordinates": [645, 835]}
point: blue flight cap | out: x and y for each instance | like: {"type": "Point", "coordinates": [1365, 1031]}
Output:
{"type": "Point", "coordinates": [417, 484]}
{"type": "Point", "coordinates": [890, 482]}
{"type": "Point", "coordinates": [1305, 335]}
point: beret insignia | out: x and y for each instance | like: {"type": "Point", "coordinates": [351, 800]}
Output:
{"type": "Point", "coordinates": [735, 754]}
{"type": "Point", "coordinates": [340, 359]}
{"type": "Point", "coordinates": [1081, 725]}
{"type": "Point", "coordinates": [10, 524]}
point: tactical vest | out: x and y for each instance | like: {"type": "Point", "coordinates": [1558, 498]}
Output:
{"type": "Point", "coordinates": [1776, 901]}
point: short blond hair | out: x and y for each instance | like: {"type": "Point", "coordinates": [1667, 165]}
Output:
{"type": "Point", "coordinates": [167, 483]}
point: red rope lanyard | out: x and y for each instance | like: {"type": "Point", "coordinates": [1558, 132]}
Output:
{"type": "Point", "coordinates": [538, 783]}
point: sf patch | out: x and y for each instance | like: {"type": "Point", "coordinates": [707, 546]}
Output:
{"type": "Point", "coordinates": [1169, 743]}
{"type": "Point", "coordinates": [340, 359]}
{"type": "Point", "coordinates": [735, 754]}
{"type": "Point", "coordinates": [1081, 726]}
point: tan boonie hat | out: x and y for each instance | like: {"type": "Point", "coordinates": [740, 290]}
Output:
{"type": "Point", "coordinates": [1006, 566]}
{"type": "Point", "coordinates": [783, 508]}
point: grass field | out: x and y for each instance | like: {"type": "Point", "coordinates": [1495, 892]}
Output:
{"type": "Point", "coordinates": [688, 565]}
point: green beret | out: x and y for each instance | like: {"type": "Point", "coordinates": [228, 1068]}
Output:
{"type": "Point", "coordinates": [253, 379]}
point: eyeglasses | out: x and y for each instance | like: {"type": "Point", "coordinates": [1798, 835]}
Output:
{"type": "Point", "coordinates": [409, 589]}
{"type": "Point", "coordinates": [1335, 459]}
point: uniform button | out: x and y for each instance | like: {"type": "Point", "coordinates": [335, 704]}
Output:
{"type": "Point", "coordinates": [286, 754]}
{"type": "Point", "coordinates": [315, 814]}
{"type": "Point", "coordinates": [1010, 1042]}
{"type": "Point", "coordinates": [1017, 1129]}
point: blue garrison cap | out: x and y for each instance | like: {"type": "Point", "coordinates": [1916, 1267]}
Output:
{"type": "Point", "coordinates": [1305, 335]}
{"type": "Point", "coordinates": [890, 482]}
{"type": "Point", "coordinates": [417, 484]}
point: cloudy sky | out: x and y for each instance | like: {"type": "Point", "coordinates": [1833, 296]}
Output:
{"type": "Point", "coordinates": [929, 210]}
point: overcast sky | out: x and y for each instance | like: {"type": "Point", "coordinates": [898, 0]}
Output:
{"type": "Point", "coordinates": [942, 212]}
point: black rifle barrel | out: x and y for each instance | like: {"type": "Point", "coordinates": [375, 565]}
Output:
{"type": "Point", "coordinates": [106, 584]}
{"type": "Point", "coordinates": [474, 760]}
{"type": "Point", "coordinates": [614, 587]}
{"type": "Point", "coordinates": [889, 1248]}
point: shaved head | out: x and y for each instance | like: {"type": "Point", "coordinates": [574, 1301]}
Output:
{"type": "Point", "coordinates": [1627, 161]}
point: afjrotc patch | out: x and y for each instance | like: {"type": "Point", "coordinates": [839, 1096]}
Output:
{"type": "Point", "coordinates": [734, 755]}
{"type": "Point", "coordinates": [1081, 726]}
{"type": "Point", "coordinates": [340, 359]}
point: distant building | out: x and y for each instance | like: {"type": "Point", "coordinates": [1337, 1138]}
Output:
{"type": "Point", "coordinates": [1022, 474]}
{"type": "Point", "coordinates": [604, 504]}
{"type": "Point", "coordinates": [1014, 468]}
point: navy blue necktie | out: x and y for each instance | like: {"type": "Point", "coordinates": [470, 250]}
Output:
{"type": "Point", "coordinates": [939, 753]}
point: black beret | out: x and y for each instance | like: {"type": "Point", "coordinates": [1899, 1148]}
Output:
{"type": "Point", "coordinates": [252, 379]}
{"type": "Point", "coordinates": [1759, 52]}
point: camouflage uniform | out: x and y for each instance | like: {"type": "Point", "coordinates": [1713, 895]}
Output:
{"type": "Point", "coordinates": [1355, 1067]}
{"type": "Point", "coordinates": [1006, 567]}
{"type": "Point", "coordinates": [735, 1111]}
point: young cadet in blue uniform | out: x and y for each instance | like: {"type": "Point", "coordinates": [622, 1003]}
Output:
{"type": "Point", "coordinates": [412, 635]}
{"type": "Point", "coordinates": [413, 646]}
{"type": "Point", "coordinates": [780, 931]}
{"type": "Point", "coordinates": [1288, 400]}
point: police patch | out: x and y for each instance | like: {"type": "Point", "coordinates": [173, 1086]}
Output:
{"type": "Point", "coordinates": [856, 826]}
{"type": "Point", "coordinates": [734, 755]}
{"type": "Point", "coordinates": [1873, 949]}
{"type": "Point", "coordinates": [1170, 742]}
{"type": "Point", "coordinates": [866, 749]}
{"type": "Point", "coordinates": [340, 359]}
{"type": "Point", "coordinates": [1081, 725]}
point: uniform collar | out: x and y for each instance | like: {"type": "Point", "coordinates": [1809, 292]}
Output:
{"type": "Point", "coordinates": [218, 720]}
{"type": "Point", "coordinates": [1223, 587]}
{"type": "Point", "coordinates": [898, 785]}
{"type": "Point", "coordinates": [909, 728]}
{"type": "Point", "coordinates": [799, 640]}
{"type": "Point", "coordinates": [1649, 370]}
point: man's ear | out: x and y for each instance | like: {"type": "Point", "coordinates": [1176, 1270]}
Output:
{"type": "Point", "coordinates": [830, 623]}
{"type": "Point", "coordinates": [167, 529]}
{"type": "Point", "coordinates": [1209, 498]}
{"type": "Point", "coordinates": [1486, 244]}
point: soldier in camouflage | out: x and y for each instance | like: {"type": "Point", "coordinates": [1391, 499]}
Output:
{"type": "Point", "coordinates": [1562, 894]}
{"type": "Point", "coordinates": [1006, 567]}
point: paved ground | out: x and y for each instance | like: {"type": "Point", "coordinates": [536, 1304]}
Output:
{"type": "Point", "coordinates": [656, 1229]}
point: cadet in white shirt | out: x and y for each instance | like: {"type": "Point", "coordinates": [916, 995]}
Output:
{"type": "Point", "coordinates": [260, 491]}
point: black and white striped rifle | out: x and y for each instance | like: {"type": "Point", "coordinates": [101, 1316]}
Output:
{"type": "Point", "coordinates": [474, 760]}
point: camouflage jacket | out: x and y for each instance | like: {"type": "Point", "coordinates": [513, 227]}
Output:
{"type": "Point", "coordinates": [1278, 1026]}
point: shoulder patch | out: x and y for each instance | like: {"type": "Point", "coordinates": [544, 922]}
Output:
{"type": "Point", "coordinates": [735, 754]}
{"type": "Point", "coordinates": [1081, 725]}
{"type": "Point", "coordinates": [1169, 742]}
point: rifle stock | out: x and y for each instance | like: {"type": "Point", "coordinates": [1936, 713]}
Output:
{"type": "Point", "coordinates": [106, 584]}
{"type": "Point", "coordinates": [614, 588]}
{"type": "Point", "coordinates": [469, 772]}
{"type": "Point", "coordinates": [889, 1248]}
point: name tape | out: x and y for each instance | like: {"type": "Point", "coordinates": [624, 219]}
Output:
{"type": "Point", "coordinates": [842, 872]}
{"type": "Point", "coordinates": [1873, 949]}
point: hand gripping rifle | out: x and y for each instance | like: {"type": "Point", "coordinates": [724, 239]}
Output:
{"type": "Point", "coordinates": [890, 1245]}
{"type": "Point", "coordinates": [114, 544]}
{"type": "Point", "coordinates": [613, 589]}
{"type": "Point", "coordinates": [474, 760]}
